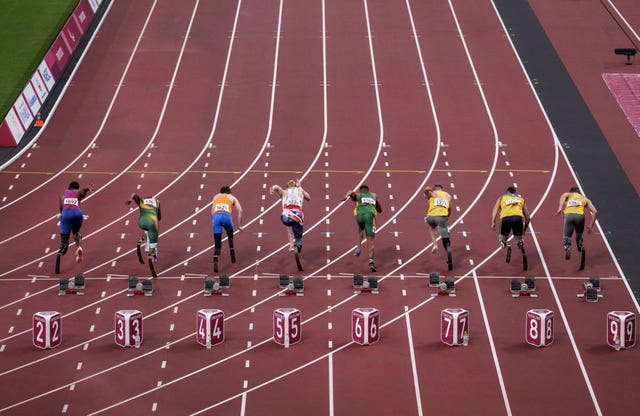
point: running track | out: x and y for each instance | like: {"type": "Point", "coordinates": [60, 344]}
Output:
{"type": "Point", "coordinates": [176, 99]}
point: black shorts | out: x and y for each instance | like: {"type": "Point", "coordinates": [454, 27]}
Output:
{"type": "Point", "coordinates": [513, 223]}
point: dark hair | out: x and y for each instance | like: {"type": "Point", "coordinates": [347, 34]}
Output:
{"type": "Point", "coordinates": [364, 188]}
{"type": "Point", "coordinates": [511, 189]}
{"type": "Point", "coordinates": [437, 186]}
{"type": "Point", "coordinates": [74, 185]}
{"type": "Point", "coordinates": [225, 190]}
{"type": "Point", "coordinates": [574, 189]}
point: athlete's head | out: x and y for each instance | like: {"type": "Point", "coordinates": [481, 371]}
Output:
{"type": "Point", "coordinates": [511, 189]}
{"type": "Point", "coordinates": [74, 185]}
{"type": "Point", "coordinates": [225, 190]}
{"type": "Point", "coordinates": [364, 188]}
{"type": "Point", "coordinates": [292, 183]}
{"type": "Point", "coordinates": [437, 186]}
{"type": "Point", "coordinates": [574, 189]}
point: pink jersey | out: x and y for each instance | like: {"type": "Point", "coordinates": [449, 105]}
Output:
{"type": "Point", "coordinates": [70, 199]}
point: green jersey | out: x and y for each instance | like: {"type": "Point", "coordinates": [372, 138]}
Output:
{"type": "Point", "coordinates": [366, 204]}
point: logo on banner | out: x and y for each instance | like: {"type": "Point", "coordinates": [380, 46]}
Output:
{"type": "Point", "coordinates": [59, 53]}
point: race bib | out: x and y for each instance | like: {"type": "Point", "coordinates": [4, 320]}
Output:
{"type": "Point", "coordinates": [512, 202]}
{"type": "Point", "coordinates": [440, 202]}
{"type": "Point", "coordinates": [222, 207]}
{"type": "Point", "coordinates": [149, 201]}
{"type": "Point", "coordinates": [368, 201]}
{"type": "Point", "coordinates": [574, 203]}
{"type": "Point", "coordinates": [71, 201]}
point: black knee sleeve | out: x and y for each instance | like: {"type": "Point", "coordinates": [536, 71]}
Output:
{"type": "Point", "coordinates": [217, 241]}
{"type": "Point", "coordinates": [64, 244]}
{"type": "Point", "coordinates": [446, 242]}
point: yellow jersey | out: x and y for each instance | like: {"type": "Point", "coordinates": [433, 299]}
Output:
{"type": "Point", "coordinates": [222, 204]}
{"type": "Point", "coordinates": [438, 205]}
{"type": "Point", "coordinates": [575, 204]}
{"type": "Point", "coordinates": [511, 205]}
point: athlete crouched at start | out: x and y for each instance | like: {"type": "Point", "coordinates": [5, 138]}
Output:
{"type": "Point", "coordinates": [221, 208]}
{"type": "Point", "coordinates": [148, 222]}
{"type": "Point", "coordinates": [71, 217]}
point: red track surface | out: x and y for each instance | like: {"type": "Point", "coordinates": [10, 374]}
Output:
{"type": "Point", "coordinates": [154, 112]}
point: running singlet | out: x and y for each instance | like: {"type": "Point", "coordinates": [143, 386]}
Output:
{"type": "Point", "coordinates": [292, 199]}
{"type": "Point", "coordinates": [511, 205]}
{"type": "Point", "coordinates": [149, 207]}
{"type": "Point", "coordinates": [222, 204]}
{"type": "Point", "coordinates": [575, 204]}
{"type": "Point", "coordinates": [292, 205]}
{"type": "Point", "coordinates": [438, 205]}
{"type": "Point", "coordinates": [365, 204]}
{"type": "Point", "coordinates": [70, 199]}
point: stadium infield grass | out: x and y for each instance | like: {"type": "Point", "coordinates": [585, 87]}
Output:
{"type": "Point", "coordinates": [27, 29]}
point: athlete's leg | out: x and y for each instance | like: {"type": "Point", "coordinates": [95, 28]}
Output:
{"type": "Point", "coordinates": [579, 227]}
{"type": "Point", "coordinates": [64, 244]}
{"type": "Point", "coordinates": [443, 230]}
{"type": "Point", "coordinates": [433, 233]}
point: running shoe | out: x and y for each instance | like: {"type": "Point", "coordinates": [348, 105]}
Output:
{"type": "Point", "coordinates": [79, 254]}
{"type": "Point", "coordinates": [372, 266]}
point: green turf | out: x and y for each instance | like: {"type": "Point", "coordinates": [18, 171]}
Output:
{"type": "Point", "coordinates": [27, 29]}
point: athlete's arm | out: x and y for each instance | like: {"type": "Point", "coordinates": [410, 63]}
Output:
{"type": "Point", "coordinates": [594, 215]}
{"type": "Point", "coordinates": [494, 212]}
{"type": "Point", "coordinates": [563, 200]}
{"type": "Point", "coordinates": [159, 212]}
{"type": "Point", "coordinates": [133, 197]}
{"type": "Point", "coordinates": [305, 194]}
{"type": "Point", "coordinates": [84, 192]}
{"type": "Point", "coordinates": [236, 204]}
{"type": "Point", "coordinates": [276, 189]}
{"type": "Point", "coordinates": [450, 204]}
{"type": "Point", "coordinates": [527, 218]}
{"type": "Point", "coordinates": [352, 195]}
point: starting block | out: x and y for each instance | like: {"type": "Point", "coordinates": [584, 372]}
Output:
{"type": "Point", "coordinates": [454, 326]}
{"type": "Point", "coordinates": [447, 288]}
{"type": "Point", "coordinates": [137, 287]}
{"type": "Point", "coordinates": [293, 287]}
{"type": "Point", "coordinates": [621, 329]}
{"type": "Point", "coordinates": [525, 287]}
{"type": "Point", "coordinates": [214, 287]}
{"type": "Point", "coordinates": [128, 331]}
{"type": "Point", "coordinates": [539, 327]}
{"type": "Point", "coordinates": [74, 285]}
{"type": "Point", "coordinates": [370, 285]}
{"type": "Point", "coordinates": [434, 279]}
{"type": "Point", "coordinates": [365, 326]}
{"type": "Point", "coordinates": [209, 327]}
{"type": "Point", "coordinates": [591, 290]}
{"type": "Point", "coordinates": [47, 329]}
{"type": "Point", "coordinates": [286, 326]}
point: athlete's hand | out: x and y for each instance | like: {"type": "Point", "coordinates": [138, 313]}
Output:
{"type": "Point", "coordinates": [493, 226]}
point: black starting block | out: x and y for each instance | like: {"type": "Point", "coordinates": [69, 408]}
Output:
{"type": "Point", "coordinates": [284, 281]}
{"type": "Point", "coordinates": [294, 287]}
{"type": "Point", "coordinates": [214, 287]}
{"type": "Point", "coordinates": [446, 288]}
{"type": "Point", "coordinates": [591, 291]}
{"type": "Point", "coordinates": [358, 281]}
{"type": "Point", "coordinates": [74, 285]}
{"type": "Point", "coordinates": [137, 287]}
{"type": "Point", "coordinates": [526, 287]}
{"type": "Point", "coordinates": [434, 279]}
{"type": "Point", "coordinates": [370, 285]}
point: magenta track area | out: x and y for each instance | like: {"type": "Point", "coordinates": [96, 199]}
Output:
{"type": "Point", "coordinates": [175, 99]}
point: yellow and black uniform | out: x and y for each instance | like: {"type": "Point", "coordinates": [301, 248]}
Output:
{"type": "Point", "coordinates": [575, 204]}
{"type": "Point", "coordinates": [438, 212]}
{"type": "Point", "coordinates": [511, 215]}
{"type": "Point", "coordinates": [574, 218]}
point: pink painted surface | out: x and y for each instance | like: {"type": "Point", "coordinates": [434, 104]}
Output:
{"type": "Point", "coordinates": [626, 90]}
